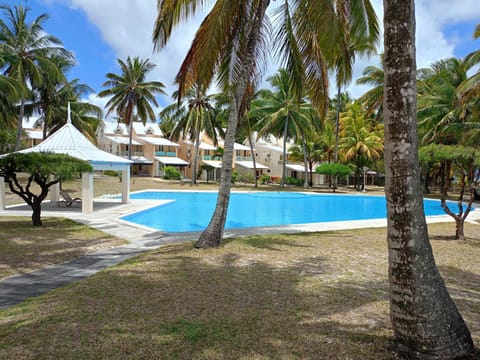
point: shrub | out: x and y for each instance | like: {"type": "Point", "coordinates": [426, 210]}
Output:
{"type": "Point", "coordinates": [294, 181]}
{"type": "Point", "coordinates": [234, 177]}
{"type": "Point", "coordinates": [265, 179]}
{"type": "Point", "coordinates": [171, 173]}
{"type": "Point", "coordinates": [110, 173]}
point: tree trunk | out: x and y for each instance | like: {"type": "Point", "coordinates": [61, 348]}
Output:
{"type": "Point", "coordinates": [459, 226]}
{"type": "Point", "coordinates": [284, 163]}
{"type": "Point", "coordinates": [195, 158]}
{"type": "Point", "coordinates": [21, 112]}
{"type": "Point", "coordinates": [337, 121]}
{"type": "Point", "coordinates": [36, 214]}
{"type": "Point", "coordinates": [213, 234]}
{"type": "Point", "coordinates": [305, 162]}
{"type": "Point", "coordinates": [130, 127]}
{"type": "Point", "coordinates": [252, 150]}
{"type": "Point", "coordinates": [425, 321]}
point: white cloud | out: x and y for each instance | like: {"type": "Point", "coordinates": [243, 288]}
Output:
{"type": "Point", "coordinates": [126, 25]}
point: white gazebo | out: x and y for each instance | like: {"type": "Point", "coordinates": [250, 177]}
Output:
{"type": "Point", "coordinates": [68, 140]}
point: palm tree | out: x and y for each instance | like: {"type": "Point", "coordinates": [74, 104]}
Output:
{"type": "Point", "coordinates": [313, 153]}
{"type": "Point", "coordinates": [425, 321]}
{"type": "Point", "coordinates": [229, 44]}
{"type": "Point", "coordinates": [194, 115]}
{"type": "Point", "coordinates": [129, 93]}
{"type": "Point", "coordinates": [373, 98]}
{"type": "Point", "coordinates": [362, 139]}
{"type": "Point", "coordinates": [283, 114]}
{"type": "Point", "coordinates": [442, 118]}
{"type": "Point", "coordinates": [470, 88]}
{"type": "Point", "coordinates": [26, 50]}
{"type": "Point", "coordinates": [52, 96]}
{"type": "Point", "coordinates": [10, 93]}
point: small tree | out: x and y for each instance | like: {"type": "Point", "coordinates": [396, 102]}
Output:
{"type": "Point", "coordinates": [334, 170]}
{"type": "Point", "coordinates": [171, 173]}
{"type": "Point", "coordinates": [463, 161]}
{"type": "Point", "coordinates": [44, 169]}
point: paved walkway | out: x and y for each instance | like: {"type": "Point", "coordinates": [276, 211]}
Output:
{"type": "Point", "coordinates": [105, 217]}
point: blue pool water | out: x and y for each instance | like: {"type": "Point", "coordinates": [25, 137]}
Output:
{"type": "Point", "coordinates": [192, 211]}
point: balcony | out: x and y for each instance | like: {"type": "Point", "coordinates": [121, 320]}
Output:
{"type": "Point", "coordinates": [125, 153]}
{"type": "Point", "coordinates": [166, 153]}
{"type": "Point", "coordinates": [243, 158]}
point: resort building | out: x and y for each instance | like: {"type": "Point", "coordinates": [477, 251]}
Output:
{"type": "Point", "coordinates": [33, 131]}
{"type": "Point", "coordinates": [269, 151]}
{"type": "Point", "coordinates": [151, 152]}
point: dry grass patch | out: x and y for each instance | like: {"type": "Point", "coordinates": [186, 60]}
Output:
{"type": "Point", "coordinates": [24, 248]}
{"type": "Point", "coordinates": [304, 296]}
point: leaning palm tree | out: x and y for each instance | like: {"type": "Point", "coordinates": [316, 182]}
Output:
{"type": "Point", "coordinates": [229, 44]}
{"type": "Point", "coordinates": [26, 48]}
{"type": "Point", "coordinates": [194, 115]}
{"type": "Point", "coordinates": [129, 93]}
{"type": "Point", "coordinates": [426, 323]}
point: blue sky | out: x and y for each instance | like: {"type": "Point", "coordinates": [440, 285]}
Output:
{"type": "Point", "coordinates": [100, 31]}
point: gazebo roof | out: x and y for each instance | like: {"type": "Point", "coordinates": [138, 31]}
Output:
{"type": "Point", "coordinates": [68, 140]}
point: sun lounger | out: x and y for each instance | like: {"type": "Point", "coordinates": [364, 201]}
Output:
{"type": "Point", "coordinates": [68, 200]}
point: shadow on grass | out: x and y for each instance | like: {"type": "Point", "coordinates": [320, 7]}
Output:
{"type": "Point", "coordinates": [58, 240]}
{"type": "Point", "coordinates": [172, 306]}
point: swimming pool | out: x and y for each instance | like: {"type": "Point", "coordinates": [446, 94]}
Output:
{"type": "Point", "coordinates": [192, 211]}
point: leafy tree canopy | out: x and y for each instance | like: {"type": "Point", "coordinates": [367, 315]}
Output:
{"type": "Point", "coordinates": [44, 169]}
{"type": "Point", "coordinates": [333, 169]}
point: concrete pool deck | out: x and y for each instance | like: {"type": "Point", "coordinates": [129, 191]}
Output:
{"type": "Point", "coordinates": [106, 218]}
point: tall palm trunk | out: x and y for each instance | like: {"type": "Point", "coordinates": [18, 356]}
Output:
{"type": "Point", "coordinates": [304, 148]}
{"type": "Point", "coordinates": [337, 121]}
{"type": "Point", "coordinates": [195, 158]}
{"type": "Point", "coordinates": [284, 163]}
{"type": "Point", "coordinates": [252, 151]}
{"type": "Point", "coordinates": [21, 113]}
{"type": "Point", "coordinates": [213, 234]}
{"type": "Point", "coordinates": [425, 321]}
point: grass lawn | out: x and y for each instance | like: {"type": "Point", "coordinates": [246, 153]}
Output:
{"type": "Point", "coordinates": [304, 296]}
{"type": "Point", "coordinates": [24, 248]}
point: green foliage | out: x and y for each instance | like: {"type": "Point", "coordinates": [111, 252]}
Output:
{"type": "Point", "coordinates": [333, 169]}
{"type": "Point", "coordinates": [295, 181]}
{"type": "Point", "coordinates": [234, 177]}
{"type": "Point", "coordinates": [43, 165]}
{"type": "Point", "coordinates": [456, 153]}
{"type": "Point", "coordinates": [265, 179]}
{"type": "Point", "coordinates": [246, 178]}
{"type": "Point", "coordinates": [111, 173]}
{"type": "Point", "coordinates": [44, 169]}
{"type": "Point", "coordinates": [171, 173]}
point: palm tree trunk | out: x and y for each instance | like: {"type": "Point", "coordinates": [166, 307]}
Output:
{"type": "Point", "coordinates": [130, 127]}
{"type": "Point", "coordinates": [21, 113]}
{"type": "Point", "coordinates": [304, 148]}
{"type": "Point", "coordinates": [213, 234]}
{"type": "Point", "coordinates": [284, 163]}
{"type": "Point", "coordinates": [252, 151]}
{"type": "Point", "coordinates": [425, 321]}
{"type": "Point", "coordinates": [337, 121]}
{"type": "Point", "coordinates": [195, 158]}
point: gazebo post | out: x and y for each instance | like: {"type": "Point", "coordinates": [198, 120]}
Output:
{"type": "Point", "coordinates": [55, 193]}
{"type": "Point", "coordinates": [87, 193]}
{"type": "Point", "coordinates": [126, 185]}
{"type": "Point", "coordinates": [3, 201]}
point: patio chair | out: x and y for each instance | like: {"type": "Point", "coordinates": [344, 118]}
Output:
{"type": "Point", "coordinates": [68, 200]}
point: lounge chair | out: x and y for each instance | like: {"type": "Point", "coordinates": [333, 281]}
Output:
{"type": "Point", "coordinates": [68, 200]}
